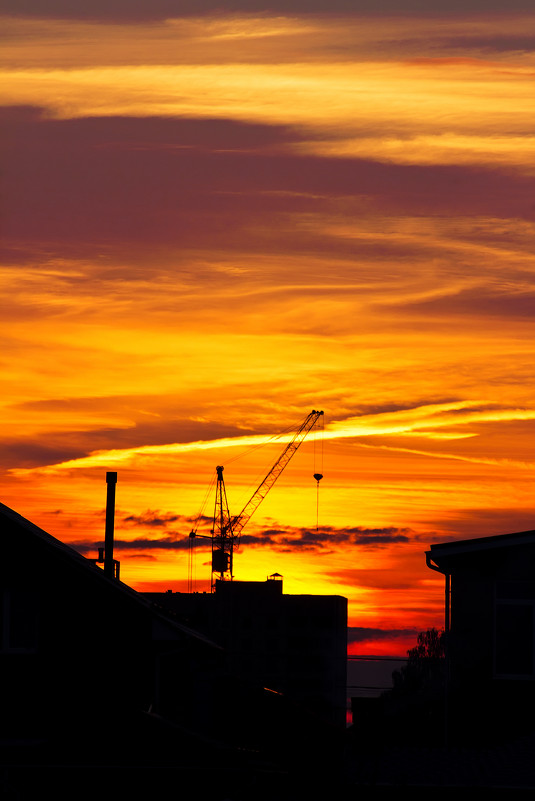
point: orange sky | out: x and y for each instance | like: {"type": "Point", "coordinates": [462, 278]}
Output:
{"type": "Point", "coordinates": [216, 222]}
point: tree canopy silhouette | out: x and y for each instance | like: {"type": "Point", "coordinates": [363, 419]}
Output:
{"type": "Point", "coordinates": [414, 706]}
{"type": "Point", "coordinates": [424, 664]}
{"type": "Point", "coordinates": [430, 645]}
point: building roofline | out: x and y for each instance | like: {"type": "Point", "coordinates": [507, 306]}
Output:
{"type": "Point", "coordinates": [97, 574]}
{"type": "Point", "coordinates": [456, 548]}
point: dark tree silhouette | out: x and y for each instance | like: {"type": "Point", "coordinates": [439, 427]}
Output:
{"type": "Point", "coordinates": [430, 645]}
{"type": "Point", "coordinates": [425, 662]}
{"type": "Point", "coordinates": [415, 704]}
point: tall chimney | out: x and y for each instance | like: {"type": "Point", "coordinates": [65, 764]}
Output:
{"type": "Point", "coordinates": [109, 563]}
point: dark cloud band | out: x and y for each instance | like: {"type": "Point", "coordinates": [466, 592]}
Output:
{"type": "Point", "coordinates": [142, 10]}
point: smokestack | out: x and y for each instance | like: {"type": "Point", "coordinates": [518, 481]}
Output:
{"type": "Point", "coordinates": [109, 562]}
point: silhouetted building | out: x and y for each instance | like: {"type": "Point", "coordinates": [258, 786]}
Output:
{"type": "Point", "coordinates": [490, 623]}
{"type": "Point", "coordinates": [292, 644]}
{"type": "Point", "coordinates": [81, 652]}
{"type": "Point", "coordinates": [104, 688]}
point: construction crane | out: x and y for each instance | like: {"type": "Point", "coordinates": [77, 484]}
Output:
{"type": "Point", "coordinates": [226, 531]}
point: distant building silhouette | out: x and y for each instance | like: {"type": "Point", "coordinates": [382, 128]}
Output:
{"type": "Point", "coordinates": [490, 628]}
{"type": "Point", "coordinates": [293, 644]}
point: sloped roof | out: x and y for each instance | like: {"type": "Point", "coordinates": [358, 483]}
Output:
{"type": "Point", "coordinates": [76, 561]}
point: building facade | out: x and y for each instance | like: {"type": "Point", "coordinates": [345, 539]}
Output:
{"type": "Point", "coordinates": [295, 645]}
{"type": "Point", "coordinates": [490, 629]}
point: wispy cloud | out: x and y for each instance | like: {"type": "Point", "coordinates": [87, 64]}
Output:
{"type": "Point", "coordinates": [424, 421]}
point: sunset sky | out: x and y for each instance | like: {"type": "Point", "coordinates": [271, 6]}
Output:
{"type": "Point", "coordinates": [218, 217]}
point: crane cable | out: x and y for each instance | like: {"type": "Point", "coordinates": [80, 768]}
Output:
{"type": "Point", "coordinates": [268, 441]}
{"type": "Point", "coordinates": [192, 553]}
{"type": "Point", "coordinates": [292, 429]}
{"type": "Point", "coordinates": [318, 471]}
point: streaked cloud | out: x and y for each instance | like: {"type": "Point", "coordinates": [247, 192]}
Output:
{"type": "Point", "coordinates": [420, 421]}
{"type": "Point", "coordinates": [323, 98]}
{"type": "Point", "coordinates": [348, 76]}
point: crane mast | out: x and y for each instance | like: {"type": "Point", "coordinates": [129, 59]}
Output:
{"type": "Point", "coordinates": [222, 542]}
{"type": "Point", "coordinates": [227, 530]}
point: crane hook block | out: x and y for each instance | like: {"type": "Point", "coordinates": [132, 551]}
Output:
{"type": "Point", "coordinates": [318, 476]}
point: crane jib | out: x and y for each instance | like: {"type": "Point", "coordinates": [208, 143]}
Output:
{"type": "Point", "coordinates": [227, 530]}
